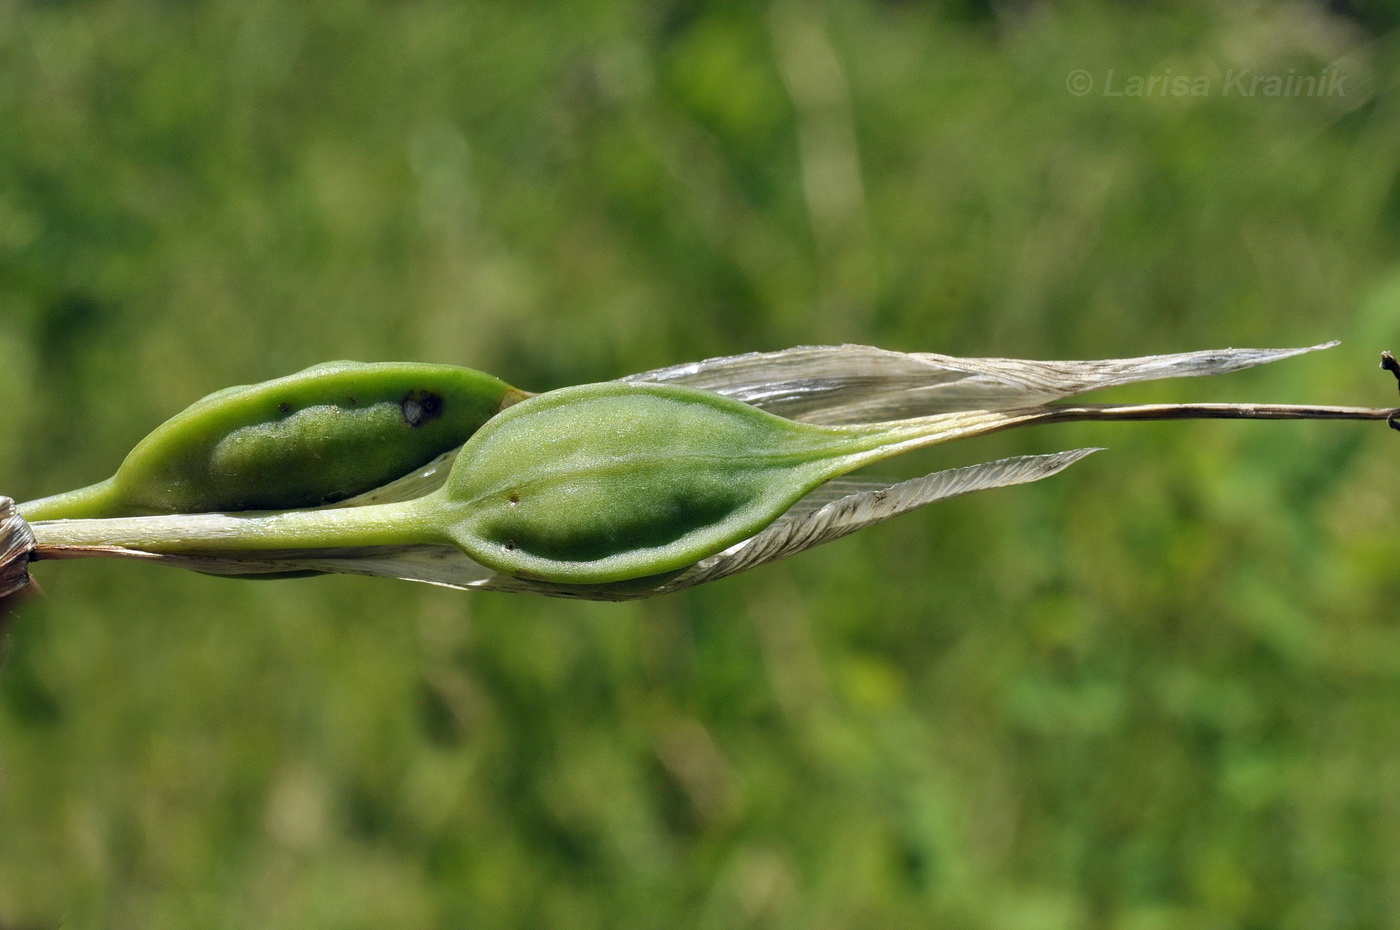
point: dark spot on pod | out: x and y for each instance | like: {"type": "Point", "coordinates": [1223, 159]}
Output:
{"type": "Point", "coordinates": [510, 545]}
{"type": "Point", "coordinates": [351, 401]}
{"type": "Point", "coordinates": [514, 499]}
{"type": "Point", "coordinates": [421, 406]}
{"type": "Point", "coordinates": [284, 408]}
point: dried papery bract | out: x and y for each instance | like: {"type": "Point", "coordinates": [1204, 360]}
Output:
{"type": "Point", "coordinates": [853, 384]}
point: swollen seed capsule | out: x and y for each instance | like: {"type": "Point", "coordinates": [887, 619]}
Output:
{"type": "Point", "coordinates": [312, 438]}
{"type": "Point", "coordinates": [611, 482]}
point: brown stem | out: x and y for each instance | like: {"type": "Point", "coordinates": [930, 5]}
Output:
{"type": "Point", "coordinates": [1217, 412]}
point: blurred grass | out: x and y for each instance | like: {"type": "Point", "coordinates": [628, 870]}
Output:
{"type": "Point", "coordinates": [1159, 691]}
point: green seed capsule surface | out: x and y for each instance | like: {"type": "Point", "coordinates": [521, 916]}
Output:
{"type": "Point", "coordinates": [315, 437]}
{"type": "Point", "coordinates": [609, 482]}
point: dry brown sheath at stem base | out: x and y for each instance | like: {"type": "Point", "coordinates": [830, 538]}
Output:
{"type": "Point", "coordinates": [16, 546]}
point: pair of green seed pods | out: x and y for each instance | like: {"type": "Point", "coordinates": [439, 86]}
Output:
{"type": "Point", "coordinates": [586, 485]}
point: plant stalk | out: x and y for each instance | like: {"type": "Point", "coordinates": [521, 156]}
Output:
{"type": "Point", "coordinates": [1068, 413]}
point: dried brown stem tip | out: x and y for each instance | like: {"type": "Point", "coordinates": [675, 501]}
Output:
{"type": "Point", "coordinates": [1388, 363]}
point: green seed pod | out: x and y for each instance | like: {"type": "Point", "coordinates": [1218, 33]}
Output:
{"type": "Point", "coordinates": [312, 438]}
{"type": "Point", "coordinates": [611, 482]}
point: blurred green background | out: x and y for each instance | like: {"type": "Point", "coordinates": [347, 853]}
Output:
{"type": "Point", "coordinates": [1159, 691]}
